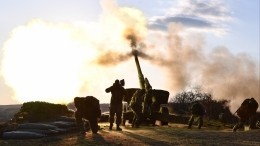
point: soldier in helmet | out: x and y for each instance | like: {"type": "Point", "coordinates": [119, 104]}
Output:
{"type": "Point", "coordinates": [88, 108]}
{"type": "Point", "coordinates": [247, 112]}
{"type": "Point", "coordinates": [136, 106]}
{"type": "Point", "coordinates": [116, 106]}
{"type": "Point", "coordinates": [197, 111]}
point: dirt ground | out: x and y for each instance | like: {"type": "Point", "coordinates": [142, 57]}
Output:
{"type": "Point", "coordinates": [173, 134]}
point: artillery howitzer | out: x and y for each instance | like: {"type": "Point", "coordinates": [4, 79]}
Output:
{"type": "Point", "coordinates": [159, 98]}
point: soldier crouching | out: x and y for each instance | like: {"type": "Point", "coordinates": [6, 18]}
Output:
{"type": "Point", "coordinates": [247, 112]}
{"type": "Point", "coordinates": [88, 108]}
{"type": "Point", "coordinates": [197, 111]}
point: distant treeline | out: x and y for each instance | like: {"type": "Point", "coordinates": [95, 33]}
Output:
{"type": "Point", "coordinates": [182, 101]}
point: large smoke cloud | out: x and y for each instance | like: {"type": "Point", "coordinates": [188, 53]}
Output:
{"type": "Point", "coordinates": [186, 65]}
{"type": "Point", "coordinates": [225, 75]}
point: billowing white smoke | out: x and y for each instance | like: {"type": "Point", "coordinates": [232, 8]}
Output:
{"type": "Point", "coordinates": [219, 72]}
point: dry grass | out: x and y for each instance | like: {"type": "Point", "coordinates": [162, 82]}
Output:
{"type": "Point", "coordinates": [174, 134]}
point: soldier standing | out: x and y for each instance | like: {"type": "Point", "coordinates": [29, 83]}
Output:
{"type": "Point", "coordinates": [136, 106]}
{"type": "Point", "coordinates": [147, 99]}
{"type": "Point", "coordinates": [197, 111]}
{"type": "Point", "coordinates": [247, 111]}
{"type": "Point", "coordinates": [118, 92]}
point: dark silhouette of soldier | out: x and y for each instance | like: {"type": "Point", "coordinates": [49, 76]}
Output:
{"type": "Point", "coordinates": [122, 82]}
{"type": "Point", "coordinates": [88, 108]}
{"type": "Point", "coordinates": [118, 92]}
{"type": "Point", "coordinates": [223, 118]}
{"type": "Point", "coordinates": [247, 112]}
{"type": "Point", "coordinates": [155, 107]}
{"type": "Point", "coordinates": [136, 106]}
{"type": "Point", "coordinates": [197, 111]}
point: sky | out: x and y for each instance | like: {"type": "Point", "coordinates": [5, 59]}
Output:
{"type": "Point", "coordinates": [56, 50]}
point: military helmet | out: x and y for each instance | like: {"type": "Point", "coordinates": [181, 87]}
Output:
{"type": "Point", "coordinates": [116, 81]}
{"type": "Point", "coordinates": [122, 82]}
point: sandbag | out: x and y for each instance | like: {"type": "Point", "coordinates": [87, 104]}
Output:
{"type": "Point", "coordinates": [197, 109]}
{"type": "Point", "coordinates": [63, 124]}
{"type": "Point", "coordinates": [36, 126]}
{"type": "Point", "coordinates": [66, 119]}
{"type": "Point", "coordinates": [45, 132]}
{"type": "Point", "coordinates": [63, 130]}
{"type": "Point", "coordinates": [21, 135]}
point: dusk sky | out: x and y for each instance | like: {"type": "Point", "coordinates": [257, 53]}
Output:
{"type": "Point", "coordinates": [54, 50]}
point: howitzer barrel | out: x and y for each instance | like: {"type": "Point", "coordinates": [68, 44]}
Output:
{"type": "Point", "coordinates": [153, 97]}
{"type": "Point", "coordinates": [140, 74]}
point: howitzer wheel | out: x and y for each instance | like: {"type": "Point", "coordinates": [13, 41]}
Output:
{"type": "Point", "coordinates": [164, 110]}
{"type": "Point", "coordinates": [129, 115]}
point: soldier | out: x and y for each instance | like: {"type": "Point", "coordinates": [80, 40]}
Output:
{"type": "Point", "coordinates": [197, 110]}
{"type": "Point", "coordinates": [147, 84]}
{"type": "Point", "coordinates": [247, 111]}
{"type": "Point", "coordinates": [155, 107]}
{"type": "Point", "coordinates": [147, 109]}
{"type": "Point", "coordinates": [88, 108]}
{"type": "Point", "coordinates": [147, 103]}
{"type": "Point", "coordinates": [118, 92]}
{"type": "Point", "coordinates": [136, 106]}
{"type": "Point", "coordinates": [223, 118]}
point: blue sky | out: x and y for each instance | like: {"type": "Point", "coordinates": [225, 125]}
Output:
{"type": "Point", "coordinates": [233, 24]}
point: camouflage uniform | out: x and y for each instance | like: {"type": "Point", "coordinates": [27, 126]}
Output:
{"type": "Point", "coordinates": [146, 107]}
{"type": "Point", "coordinates": [247, 111]}
{"type": "Point", "coordinates": [136, 106]}
{"type": "Point", "coordinates": [87, 108]}
{"type": "Point", "coordinates": [197, 110]}
{"type": "Point", "coordinates": [118, 92]}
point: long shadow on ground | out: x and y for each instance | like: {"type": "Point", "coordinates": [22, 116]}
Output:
{"type": "Point", "coordinates": [147, 140]}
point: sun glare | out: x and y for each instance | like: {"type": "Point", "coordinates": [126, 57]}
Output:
{"type": "Point", "coordinates": [42, 61]}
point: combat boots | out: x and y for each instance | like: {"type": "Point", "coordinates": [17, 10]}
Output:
{"type": "Point", "coordinates": [200, 122]}
{"type": "Point", "coordinates": [110, 127]}
{"type": "Point", "coordinates": [235, 128]}
{"type": "Point", "coordinates": [190, 122]}
{"type": "Point", "coordinates": [238, 126]}
{"type": "Point", "coordinates": [118, 128]}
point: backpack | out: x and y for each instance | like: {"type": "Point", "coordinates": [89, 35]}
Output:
{"type": "Point", "coordinates": [92, 105]}
{"type": "Point", "coordinates": [197, 109]}
{"type": "Point", "coordinates": [88, 106]}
